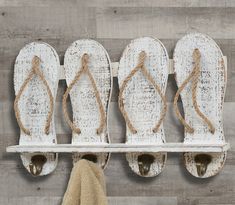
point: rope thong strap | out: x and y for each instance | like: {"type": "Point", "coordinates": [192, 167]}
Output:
{"type": "Point", "coordinates": [141, 67]}
{"type": "Point", "coordinates": [194, 76]}
{"type": "Point", "coordinates": [34, 71]}
{"type": "Point", "coordinates": [84, 69]}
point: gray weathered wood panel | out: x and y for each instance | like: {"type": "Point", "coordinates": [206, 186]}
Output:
{"type": "Point", "coordinates": [111, 200]}
{"type": "Point", "coordinates": [116, 22]}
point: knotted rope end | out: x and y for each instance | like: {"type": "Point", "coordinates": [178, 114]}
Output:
{"type": "Point", "coordinates": [155, 130]}
{"type": "Point", "coordinates": [47, 129]}
{"type": "Point", "coordinates": [36, 60]}
{"type": "Point", "coordinates": [77, 130]}
{"type": "Point", "coordinates": [212, 130]}
{"type": "Point", "coordinates": [27, 132]}
{"type": "Point", "coordinates": [85, 59]}
{"type": "Point", "coordinates": [99, 131]}
{"type": "Point", "coordinates": [196, 55]}
{"type": "Point", "coordinates": [134, 131]}
{"type": "Point", "coordinates": [189, 130]}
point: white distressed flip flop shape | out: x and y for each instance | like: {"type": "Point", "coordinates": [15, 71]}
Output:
{"type": "Point", "coordinates": [36, 75]}
{"type": "Point", "coordinates": [204, 118]}
{"type": "Point", "coordinates": [89, 78]}
{"type": "Point", "coordinates": [142, 76]}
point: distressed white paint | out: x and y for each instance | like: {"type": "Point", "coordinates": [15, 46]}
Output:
{"type": "Point", "coordinates": [115, 65]}
{"type": "Point", "coordinates": [34, 102]}
{"type": "Point", "coordinates": [85, 109]}
{"type": "Point", "coordinates": [210, 96]}
{"type": "Point", "coordinates": [119, 148]}
{"type": "Point", "coordinates": [142, 103]}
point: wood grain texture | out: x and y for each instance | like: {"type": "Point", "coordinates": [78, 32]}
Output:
{"type": "Point", "coordinates": [111, 200]}
{"type": "Point", "coordinates": [116, 22]}
{"type": "Point", "coordinates": [166, 3]}
{"type": "Point", "coordinates": [113, 23]}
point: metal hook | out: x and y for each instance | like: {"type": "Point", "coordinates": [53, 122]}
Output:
{"type": "Point", "coordinates": [36, 165]}
{"type": "Point", "coordinates": [144, 162]}
{"type": "Point", "coordinates": [202, 161]}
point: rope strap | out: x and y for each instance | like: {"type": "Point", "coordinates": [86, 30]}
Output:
{"type": "Point", "coordinates": [194, 76]}
{"type": "Point", "coordinates": [34, 71]}
{"type": "Point", "coordinates": [141, 67]}
{"type": "Point", "coordinates": [84, 69]}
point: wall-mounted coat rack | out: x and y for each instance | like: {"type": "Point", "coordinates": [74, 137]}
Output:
{"type": "Point", "coordinates": [200, 73]}
{"type": "Point", "coordinates": [120, 147]}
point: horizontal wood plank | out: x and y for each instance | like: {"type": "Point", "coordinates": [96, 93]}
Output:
{"type": "Point", "coordinates": [119, 148]}
{"type": "Point", "coordinates": [111, 200]}
{"type": "Point", "coordinates": [160, 3]}
{"type": "Point", "coordinates": [164, 23]}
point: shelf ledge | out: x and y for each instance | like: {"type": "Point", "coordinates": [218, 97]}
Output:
{"type": "Point", "coordinates": [118, 148]}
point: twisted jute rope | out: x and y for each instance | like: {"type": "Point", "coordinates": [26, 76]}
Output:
{"type": "Point", "coordinates": [194, 76]}
{"type": "Point", "coordinates": [84, 69]}
{"type": "Point", "coordinates": [34, 71]}
{"type": "Point", "coordinates": [141, 67]}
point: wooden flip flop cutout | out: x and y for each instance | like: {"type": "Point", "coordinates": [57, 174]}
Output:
{"type": "Point", "coordinates": [36, 76]}
{"type": "Point", "coordinates": [200, 74]}
{"type": "Point", "coordinates": [89, 78]}
{"type": "Point", "coordinates": [142, 78]}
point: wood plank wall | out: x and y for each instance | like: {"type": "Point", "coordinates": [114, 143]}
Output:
{"type": "Point", "coordinates": [113, 23]}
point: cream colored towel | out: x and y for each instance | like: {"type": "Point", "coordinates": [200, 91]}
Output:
{"type": "Point", "coordinates": [86, 185]}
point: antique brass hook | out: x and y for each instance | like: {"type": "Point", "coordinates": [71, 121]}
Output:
{"type": "Point", "coordinates": [36, 165]}
{"type": "Point", "coordinates": [144, 162]}
{"type": "Point", "coordinates": [202, 161]}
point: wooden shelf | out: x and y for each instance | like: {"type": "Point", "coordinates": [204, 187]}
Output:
{"type": "Point", "coordinates": [118, 148]}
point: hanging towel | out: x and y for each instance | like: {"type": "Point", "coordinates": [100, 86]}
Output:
{"type": "Point", "coordinates": [86, 185]}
